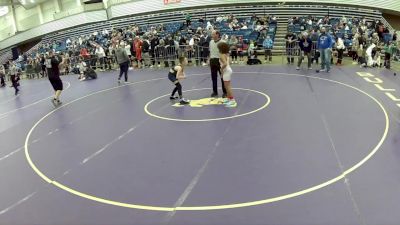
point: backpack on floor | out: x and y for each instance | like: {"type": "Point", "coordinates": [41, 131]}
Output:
{"type": "Point", "coordinates": [75, 70]}
{"type": "Point", "coordinates": [90, 73]}
{"type": "Point", "coordinates": [253, 61]}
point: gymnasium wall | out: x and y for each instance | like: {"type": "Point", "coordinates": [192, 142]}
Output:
{"type": "Point", "coordinates": [116, 9]}
{"type": "Point", "coordinates": [56, 15]}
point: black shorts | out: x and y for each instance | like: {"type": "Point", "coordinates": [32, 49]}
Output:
{"type": "Point", "coordinates": [56, 83]}
{"type": "Point", "coordinates": [172, 77]}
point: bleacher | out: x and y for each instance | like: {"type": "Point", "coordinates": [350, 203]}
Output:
{"type": "Point", "coordinates": [174, 19]}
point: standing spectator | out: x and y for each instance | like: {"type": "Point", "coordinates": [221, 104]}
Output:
{"type": "Point", "coordinates": [188, 18]}
{"type": "Point", "coordinates": [215, 64]}
{"type": "Point", "coordinates": [43, 65]}
{"type": "Point", "coordinates": [123, 61]}
{"type": "Point", "coordinates": [340, 48]}
{"type": "Point", "coordinates": [203, 47]}
{"type": "Point", "coordinates": [13, 72]}
{"type": "Point", "coordinates": [305, 45]}
{"type": "Point", "coordinates": [290, 47]}
{"type": "Point", "coordinates": [233, 42]}
{"type": "Point", "coordinates": [100, 55]}
{"type": "Point", "coordinates": [325, 48]}
{"type": "Point", "coordinates": [354, 48]}
{"type": "Point", "coordinates": [241, 47]}
{"type": "Point", "coordinates": [138, 50]}
{"type": "Point", "coordinates": [128, 51]}
{"type": "Point", "coordinates": [201, 20]}
{"type": "Point", "coordinates": [2, 75]}
{"type": "Point", "coordinates": [145, 50]}
{"type": "Point", "coordinates": [268, 44]}
{"type": "Point", "coordinates": [153, 43]}
{"type": "Point", "coordinates": [389, 50]}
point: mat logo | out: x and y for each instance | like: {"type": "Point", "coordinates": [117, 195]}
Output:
{"type": "Point", "coordinates": [202, 102]}
{"type": "Point", "coordinates": [379, 84]}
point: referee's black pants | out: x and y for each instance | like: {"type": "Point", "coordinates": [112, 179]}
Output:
{"type": "Point", "coordinates": [215, 69]}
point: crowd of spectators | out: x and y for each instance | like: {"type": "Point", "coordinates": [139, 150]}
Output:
{"type": "Point", "coordinates": [149, 46]}
{"type": "Point", "coordinates": [365, 41]}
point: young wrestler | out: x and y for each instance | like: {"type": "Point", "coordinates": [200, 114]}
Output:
{"type": "Point", "coordinates": [175, 75]}
{"type": "Point", "coordinates": [226, 73]}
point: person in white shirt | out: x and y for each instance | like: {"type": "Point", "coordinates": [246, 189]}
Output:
{"type": "Point", "coordinates": [100, 55]}
{"type": "Point", "coordinates": [340, 48]}
{"type": "Point", "coordinates": [209, 26]}
{"type": "Point", "coordinates": [82, 68]}
{"type": "Point", "coordinates": [128, 51]}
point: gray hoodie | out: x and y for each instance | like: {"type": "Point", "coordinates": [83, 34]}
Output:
{"type": "Point", "coordinates": [121, 55]}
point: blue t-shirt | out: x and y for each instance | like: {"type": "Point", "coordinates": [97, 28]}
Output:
{"type": "Point", "coordinates": [325, 41]}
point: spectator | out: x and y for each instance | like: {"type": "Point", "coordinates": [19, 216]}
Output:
{"type": "Point", "coordinates": [201, 20]}
{"type": "Point", "coordinates": [145, 50]}
{"type": "Point", "coordinates": [340, 48]}
{"type": "Point", "coordinates": [188, 18]}
{"type": "Point", "coordinates": [268, 44]}
{"type": "Point", "coordinates": [290, 47]}
{"type": "Point", "coordinates": [389, 50]}
{"type": "Point", "coordinates": [209, 26]}
{"type": "Point", "coordinates": [2, 76]}
{"type": "Point", "coordinates": [305, 45]}
{"type": "Point", "coordinates": [233, 42]}
{"type": "Point", "coordinates": [100, 55]}
{"type": "Point", "coordinates": [325, 48]}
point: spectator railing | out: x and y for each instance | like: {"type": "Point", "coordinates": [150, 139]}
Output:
{"type": "Point", "coordinates": [169, 54]}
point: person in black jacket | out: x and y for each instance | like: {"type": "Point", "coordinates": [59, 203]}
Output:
{"type": "Point", "coordinates": [53, 72]}
{"type": "Point", "coordinates": [204, 47]}
{"type": "Point", "coordinates": [305, 45]}
{"type": "Point", "coordinates": [2, 75]}
{"type": "Point", "coordinates": [153, 43]}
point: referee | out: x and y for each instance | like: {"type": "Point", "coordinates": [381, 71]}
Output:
{"type": "Point", "coordinates": [52, 63]}
{"type": "Point", "coordinates": [215, 65]}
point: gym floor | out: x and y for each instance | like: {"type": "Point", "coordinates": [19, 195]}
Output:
{"type": "Point", "coordinates": [300, 148]}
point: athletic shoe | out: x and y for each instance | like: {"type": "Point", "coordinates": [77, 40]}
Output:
{"type": "Point", "coordinates": [328, 71]}
{"type": "Point", "coordinates": [231, 104]}
{"type": "Point", "coordinates": [322, 70]}
{"type": "Point", "coordinates": [173, 97]}
{"type": "Point", "coordinates": [309, 68]}
{"type": "Point", "coordinates": [297, 68]}
{"type": "Point", "coordinates": [184, 102]}
{"type": "Point", "coordinates": [225, 100]}
{"type": "Point", "coordinates": [54, 101]}
{"type": "Point", "coordinates": [214, 95]}
{"type": "Point", "coordinates": [204, 64]}
{"type": "Point", "coordinates": [224, 95]}
{"type": "Point", "coordinates": [126, 82]}
{"type": "Point", "coordinates": [119, 81]}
